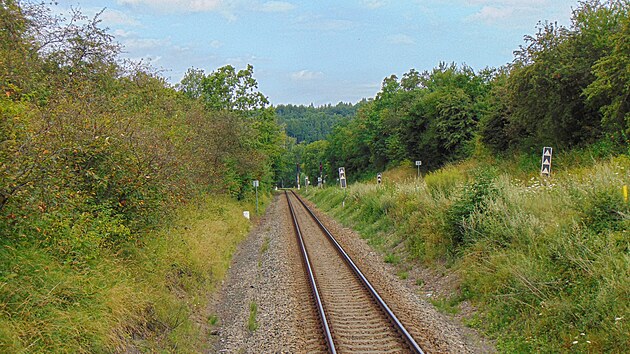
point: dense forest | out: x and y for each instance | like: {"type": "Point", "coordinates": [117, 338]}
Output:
{"type": "Point", "coordinates": [308, 123]}
{"type": "Point", "coordinates": [566, 88]}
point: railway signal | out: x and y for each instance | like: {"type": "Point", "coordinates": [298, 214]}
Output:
{"type": "Point", "coordinates": [342, 177]}
{"type": "Point", "coordinates": [545, 168]}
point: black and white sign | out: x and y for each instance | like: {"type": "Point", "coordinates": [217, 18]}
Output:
{"type": "Point", "coordinates": [256, 183]}
{"type": "Point", "coordinates": [342, 177]}
{"type": "Point", "coordinates": [418, 163]}
{"type": "Point", "coordinates": [379, 178]}
{"type": "Point", "coordinates": [545, 168]}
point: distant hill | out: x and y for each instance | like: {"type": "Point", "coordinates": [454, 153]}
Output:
{"type": "Point", "coordinates": [309, 123]}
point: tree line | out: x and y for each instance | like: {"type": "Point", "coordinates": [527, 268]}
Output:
{"type": "Point", "coordinates": [309, 123]}
{"type": "Point", "coordinates": [567, 87]}
{"type": "Point", "coordinates": [94, 148]}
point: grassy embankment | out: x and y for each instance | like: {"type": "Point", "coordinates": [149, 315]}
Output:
{"type": "Point", "coordinates": [545, 261]}
{"type": "Point", "coordinates": [152, 295]}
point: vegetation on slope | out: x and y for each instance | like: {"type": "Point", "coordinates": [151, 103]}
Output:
{"type": "Point", "coordinates": [545, 260]}
{"type": "Point", "coordinates": [97, 157]}
{"type": "Point", "coordinates": [151, 295]}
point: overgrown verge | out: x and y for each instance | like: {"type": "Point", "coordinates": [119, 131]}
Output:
{"type": "Point", "coordinates": [546, 261]}
{"type": "Point", "coordinates": [98, 156]}
{"type": "Point", "coordinates": [151, 295]}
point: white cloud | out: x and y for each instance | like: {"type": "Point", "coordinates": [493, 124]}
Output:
{"type": "Point", "coordinates": [148, 59]}
{"type": "Point", "coordinates": [374, 4]}
{"type": "Point", "coordinates": [319, 23]}
{"type": "Point", "coordinates": [144, 44]}
{"type": "Point", "coordinates": [400, 39]}
{"type": "Point", "coordinates": [516, 3]}
{"type": "Point", "coordinates": [115, 17]}
{"type": "Point", "coordinates": [177, 5]}
{"type": "Point", "coordinates": [227, 8]}
{"type": "Point", "coordinates": [241, 61]}
{"type": "Point", "coordinates": [509, 12]}
{"type": "Point", "coordinates": [490, 14]}
{"type": "Point", "coordinates": [306, 75]}
{"type": "Point", "coordinates": [277, 6]}
{"type": "Point", "coordinates": [119, 33]}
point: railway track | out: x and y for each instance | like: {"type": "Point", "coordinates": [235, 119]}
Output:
{"type": "Point", "coordinates": [353, 317]}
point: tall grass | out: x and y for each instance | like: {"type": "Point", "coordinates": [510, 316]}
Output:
{"type": "Point", "coordinates": [152, 295]}
{"type": "Point", "coordinates": [546, 261]}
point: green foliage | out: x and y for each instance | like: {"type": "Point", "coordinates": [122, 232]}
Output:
{"type": "Point", "coordinates": [252, 324]}
{"type": "Point", "coordinates": [225, 89]}
{"type": "Point", "coordinates": [544, 260]}
{"type": "Point", "coordinates": [95, 155]}
{"type": "Point", "coordinates": [148, 296]}
{"type": "Point", "coordinates": [566, 86]}
{"type": "Point", "coordinates": [443, 181]}
{"type": "Point", "coordinates": [308, 124]}
{"type": "Point", "coordinates": [431, 116]}
{"type": "Point", "coordinates": [313, 155]}
{"type": "Point", "coordinates": [610, 90]}
{"type": "Point", "coordinates": [473, 199]}
{"type": "Point", "coordinates": [250, 143]}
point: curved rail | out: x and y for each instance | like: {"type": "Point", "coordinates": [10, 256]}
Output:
{"type": "Point", "coordinates": [399, 326]}
{"type": "Point", "coordinates": [311, 278]}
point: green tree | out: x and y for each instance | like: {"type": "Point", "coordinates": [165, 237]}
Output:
{"type": "Point", "coordinates": [610, 91]}
{"type": "Point", "coordinates": [192, 83]}
{"type": "Point", "coordinates": [315, 154]}
{"type": "Point", "coordinates": [230, 90]}
{"type": "Point", "coordinates": [550, 79]}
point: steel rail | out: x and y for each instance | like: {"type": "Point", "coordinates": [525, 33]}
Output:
{"type": "Point", "coordinates": [311, 278]}
{"type": "Point", "coordinates": [399, 326]}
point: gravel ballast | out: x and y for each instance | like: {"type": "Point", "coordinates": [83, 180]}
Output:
{"type": "Point", "coordinates": [266, 270]}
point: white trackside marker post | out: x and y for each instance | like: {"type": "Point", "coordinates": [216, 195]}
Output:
{"type": "Point", "coordinates": [256, 183]}
{"type": "Point", "coordinates": [343, 184]}
{"type": "Point", "coordinates": [545, 168]}
{"type": "Point", "coordinates": [342, 177]}
{"type": "Point", "coordinates": [418, 163]}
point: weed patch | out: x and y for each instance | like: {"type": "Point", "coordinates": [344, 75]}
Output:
{"type": "Point", "coordinates": [252, 324]}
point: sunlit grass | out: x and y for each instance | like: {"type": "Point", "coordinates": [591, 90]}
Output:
{"type": "Point", "coordinates": [148, 298]}
{"type": "Point", "coordinates": [546, 260]}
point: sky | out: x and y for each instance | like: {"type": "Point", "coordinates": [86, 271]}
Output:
{"type": "Point", "coordinates": [320, 52]}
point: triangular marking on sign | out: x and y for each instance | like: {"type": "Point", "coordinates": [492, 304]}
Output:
{"type": "Point", "coordinates": [547, 153]}
{"type": "Point", "coordinates": [545, 170]}
{"type": "Point", "coordinates": [547, 160]}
